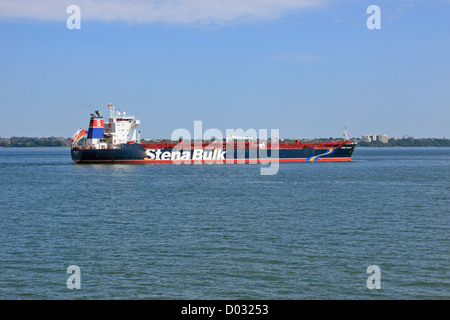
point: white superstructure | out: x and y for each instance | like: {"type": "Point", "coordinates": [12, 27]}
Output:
{"type": "Point", "coordinates": [120, 128]}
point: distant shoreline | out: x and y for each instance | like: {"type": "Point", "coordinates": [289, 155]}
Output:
{"type": "Point", "coordinates": [60, 142]}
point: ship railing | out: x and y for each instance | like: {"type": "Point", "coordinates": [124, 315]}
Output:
{"type": "Point", "coordinates": [246, 145]}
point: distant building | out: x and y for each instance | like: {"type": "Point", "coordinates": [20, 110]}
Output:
{"type": "Point", "coordinates": [383, 138]}
{"type": "Point", "coordinates": [373, 137]}
{"type": "Point", "coordinates": [369, 138]}
{"type": "Point", "coordinates": [366, 139]}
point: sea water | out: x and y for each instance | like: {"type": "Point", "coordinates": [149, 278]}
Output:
{"type": "Point", "coordinates": [225, 231]}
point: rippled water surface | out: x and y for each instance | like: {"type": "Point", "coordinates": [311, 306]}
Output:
{"type": "Point", "coordinates": [225, 231]}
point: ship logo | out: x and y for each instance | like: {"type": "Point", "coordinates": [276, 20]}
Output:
{"type": "Point", "coordinates": [197, 154]}
{"type": "Point", "coordinates": [314, 158]}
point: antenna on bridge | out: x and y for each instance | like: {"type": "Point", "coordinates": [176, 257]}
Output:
{"type": "Point", "coordinates": [111, 110]}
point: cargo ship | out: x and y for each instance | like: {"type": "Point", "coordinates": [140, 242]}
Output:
{"type": "Point", "coordinates": [118, 141]}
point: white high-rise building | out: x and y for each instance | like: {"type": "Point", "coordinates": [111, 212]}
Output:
{"type": "Point", "coordinates": [373, 137]}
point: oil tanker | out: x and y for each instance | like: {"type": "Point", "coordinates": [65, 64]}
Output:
{"type": "Point", "coordinates": [118, 141]}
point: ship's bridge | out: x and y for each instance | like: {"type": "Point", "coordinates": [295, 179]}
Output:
{"type": "Point", "coordinates": [121, 127]}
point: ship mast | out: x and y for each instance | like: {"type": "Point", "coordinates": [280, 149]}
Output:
{"type": "Point", "coordinates": [345, 134]}
{"type": "Point", "coordinates": [112, 110]}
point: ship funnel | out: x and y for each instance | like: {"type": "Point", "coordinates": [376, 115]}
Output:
{"type": "Point", "coordinates": [95, 128]}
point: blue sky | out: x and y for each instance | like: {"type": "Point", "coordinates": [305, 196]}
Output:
{"type": "Point", "coordinates": [308, 68]}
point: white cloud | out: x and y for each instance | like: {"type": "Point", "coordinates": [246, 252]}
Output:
{"type": "Point", "coordinates": [406, 6]}
{"type": "Point", "coordinates": [165, 11]}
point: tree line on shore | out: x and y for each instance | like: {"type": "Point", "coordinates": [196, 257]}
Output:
{"type": "Point", "coordinates": [408, 143]}
{"type": "Point", "coordinates": [33, 142]}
